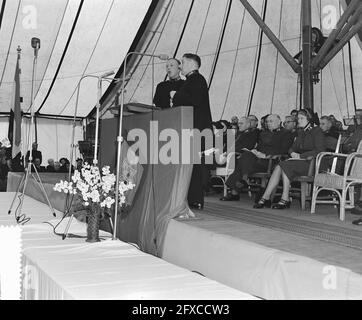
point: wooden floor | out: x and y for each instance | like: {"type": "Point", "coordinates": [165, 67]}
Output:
{"type": "Point", "coordinates": [221, 217]}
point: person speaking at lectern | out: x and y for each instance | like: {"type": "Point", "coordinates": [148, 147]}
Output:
{"type": "Point", "coordinates": [194, 92]}
{"type": "Point", "coordinates": [174, 83]}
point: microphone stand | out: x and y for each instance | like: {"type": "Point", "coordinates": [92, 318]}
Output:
{"type": "Point", "coordinates": [73, 146]}
{"type": "Point", "coordinates": [119, 137]}
{"type": "Point", "coordinates": [20, 218]}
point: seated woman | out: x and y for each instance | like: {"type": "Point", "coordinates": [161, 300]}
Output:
{"type": "Point", "coordinates": [309, 142]}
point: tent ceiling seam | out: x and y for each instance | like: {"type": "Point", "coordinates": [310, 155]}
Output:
{"type": "Point", "coordinates": [153, 32]}
{"type": "Point", "coordinates": [90, 57]}
{"type": "Point", "coordinates": [152, 52]}
{"type": "Point", "coordinates": [257, 60]}
{"type": "Point", "coordinates": [277, 58]}
{"type": "Point", "coordinates": [220, 41]}
{"type": "Point", "coordinates": [203, 26]}
{"type": "Point", "coordinates": [234, 64]}
{"type": "Point", "coordinates": [184, 28]}
{"type": "Point", "coordinates": [2, 10]}
{"type": "Point", "coordinates": [113, 87]}
{"type": "Point", "coordinates": [51, 52]}
{"type": "Point", "coordinates": [10, 43]}
{"type": "Point", "coordinates": [63, 54]}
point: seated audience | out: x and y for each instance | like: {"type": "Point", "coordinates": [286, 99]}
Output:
{"type": "Point", "coordinates": [57, 166]}
{"type": "Point", "coordinates": [50, 166]}
{"type": "Point", "coordinates": [309, 142]}
{"type": "Point", "coordinates": [254, 122]}
{"type": "Point", "coordinates": [263, 125]}
{"type": "Point", "coordinates": [245, 139]}
{"type": "Point", "coordinates": [64, 162]}
{"type": "Point", "coordinates": [290, 124]}
{"type": "Point", "coordinates": [330, 133]}
{"type": "Point", "coordinates": [274, 141]}
{"type": "Point", "coordinates": [220, 130]}
{"type": "Point", "coordinates": [37, 165]}
{"type": "Point", "coordinates": [294, 113]}
{"type": "Point", "coordinates": [35, 154]}
{"type": "Point", "coordinates": [234, 120]}
{"type": "Point", "coordinates": [79, 164]}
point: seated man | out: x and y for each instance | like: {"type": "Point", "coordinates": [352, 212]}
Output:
{"type": "Point", "coordinates": [290, 124]}
{"type": "Point", "coordinates": [50, 166]}
{"type": "Point", "coordinates": [37, 165]}
{"type": "Point", "coordinates": [244, 139]}
{"type": "Point", "coordinates": [254, 122]}
{"type": "Point", "coordinates": [274, 141]}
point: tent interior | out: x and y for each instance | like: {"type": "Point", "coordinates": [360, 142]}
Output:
{"type": "Point", "coordinates": [245, 72]}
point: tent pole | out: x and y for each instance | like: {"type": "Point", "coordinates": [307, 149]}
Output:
{"type": "Point", "coordinates": [356, 16]}
{"type": "Point", "coordinates": [334, 34]}
{"type": "Point", "coordinates": [272, 37]}
{"type": "Point", "coordinates": [331, 54]}
{"type": "Point", "coordinates": [307, 54]}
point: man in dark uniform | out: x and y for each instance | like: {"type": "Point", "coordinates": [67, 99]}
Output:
{"type": "Point", "coordinates": [174, 83]}
{"type": "Point", "coordinates": [195, 93]}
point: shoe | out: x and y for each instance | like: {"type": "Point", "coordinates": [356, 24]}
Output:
{"type": "Point", "coordinates": [231, 197]}
{"type": "Point", "coordinates": [282, 204]}
{"type": "Point", "coordinates": [262, 203]}
{"type": "Point", "coordinates": [197, 205]}
{"type": "Point", "coordinates": [357, 222]}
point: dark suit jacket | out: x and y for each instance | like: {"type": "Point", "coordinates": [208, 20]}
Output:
{"type": "Point", "coordinates": [195, 93]}
{"type": "Point", "coordinates": [275, 142]}
{"type": "Point", "coordinates": [246, 139]}
{"type": "Point", "coordinates": [309, 143]}
{"type": "Point", "coordinates": [163, 89]}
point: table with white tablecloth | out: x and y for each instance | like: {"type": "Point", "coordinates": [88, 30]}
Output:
{"type": "Point", "coordinates": [110, 269]}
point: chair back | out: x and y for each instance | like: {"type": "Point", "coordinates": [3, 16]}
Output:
{"type": "Point", "coordinates": [356, 169]}
{"type": "Point", "coordinates": [335, 159]}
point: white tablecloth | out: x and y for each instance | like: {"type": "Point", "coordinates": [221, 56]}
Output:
{"type": "Point", "coordinates": [74, 269]}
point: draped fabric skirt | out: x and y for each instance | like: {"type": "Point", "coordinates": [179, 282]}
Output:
{"type": "Point", "coordinates": [295, 168]}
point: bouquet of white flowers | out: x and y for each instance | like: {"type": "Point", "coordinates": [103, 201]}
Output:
{"type": "Point", "coordinates": [96, 189]}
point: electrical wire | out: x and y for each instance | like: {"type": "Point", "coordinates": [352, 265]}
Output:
{"type": "Point", "coordinates": [277, 58]}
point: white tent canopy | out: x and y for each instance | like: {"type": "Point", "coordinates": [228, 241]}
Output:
{"type": "Point", "coordinates": [246, 73]}
{"type": "Point", "coordinates": [77, 38]}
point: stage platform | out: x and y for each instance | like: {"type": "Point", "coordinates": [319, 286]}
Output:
{"type": "Point", "coordinates": [272, 254]}
{"type": "Point", "coordinates": [75, 269]}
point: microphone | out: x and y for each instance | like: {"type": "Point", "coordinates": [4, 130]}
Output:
{"type": "Point", "coordinates": [159, 56]}
{"type": "Point", "coordinates": [163, 57]}
{"type": "Point", "coordinates": [35, 43]}
{"type": "Point", "coordinates": [107, 74]}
